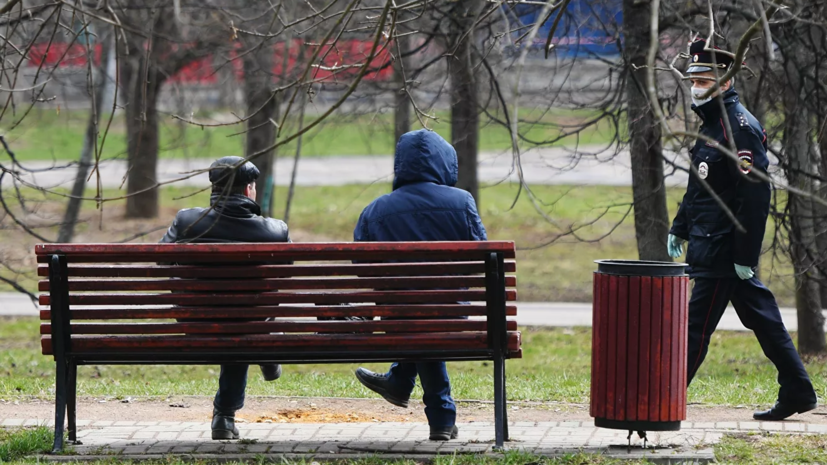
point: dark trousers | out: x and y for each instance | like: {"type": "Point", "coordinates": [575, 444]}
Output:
{"type": "Point", "coordinates": [231, 385]}
{"type": "Point", "coordinates": [758, 311]}
{"type": "Point", "coordinates": [231, 382]}
{"type": "Point", "coordinates": [440, 408]}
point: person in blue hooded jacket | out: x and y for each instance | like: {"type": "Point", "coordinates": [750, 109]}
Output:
{"type": "Point", "coordinates": [424, 206]}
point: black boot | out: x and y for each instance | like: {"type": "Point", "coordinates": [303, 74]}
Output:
{"type": "Point", "coordinates": [380, 385]}
{"type": "Point", "coordinates": [223, 425]}
{"type": "Point", "coordinates": [270, 372]}
{"type": "Point", "coordinates": [444, 434]}
{"type": "Point", "coordinates": [782, 410]}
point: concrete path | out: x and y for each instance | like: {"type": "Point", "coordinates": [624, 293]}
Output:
{"type": "Point", "coordinates": [541, 166]}
{"type": "Point", "coordinates": [154, 439]}
{"type": "Point", "coordinates": [129, 439]}
{"type": "Point", "coordinates": [559, 314]}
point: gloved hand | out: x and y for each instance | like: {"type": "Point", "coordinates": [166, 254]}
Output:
{"type": "Point", "coordinates": [674, 245]}
{"type": "Point", "coordinates": [744, 272]}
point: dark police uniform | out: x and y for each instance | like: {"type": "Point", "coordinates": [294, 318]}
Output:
{"type": "Point", "coordinates": [716, 245]}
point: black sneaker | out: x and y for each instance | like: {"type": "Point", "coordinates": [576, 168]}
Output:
{"type": "Point", "coordinates": [270, 372]}
{"type": "Point", "coordinates": [444, 434]}
{"type": "Point", "coordinates": [223, 426]}
{"type": "Point", "coordinates": [380, 385]}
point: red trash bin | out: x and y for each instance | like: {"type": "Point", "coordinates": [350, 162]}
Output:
{"type": "Point", "coordinates": [639, 331]}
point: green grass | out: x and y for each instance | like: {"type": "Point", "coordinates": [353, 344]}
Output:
{"type": "Point", "coordinates": [761, 449]}
{"type": "Point", "coordinates": [518, 458]}
{"type": "Point", "coordinates": [555, 367]}
{"type": "Point", "coordinates": [48, 134]}
{"type": "Point", "coordinates": [18, 443]}
{"type": "Point", "coordinates": [509, 458]}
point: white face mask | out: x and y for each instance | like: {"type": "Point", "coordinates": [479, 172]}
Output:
{"type": "Point", "coordinates": [697, 92]}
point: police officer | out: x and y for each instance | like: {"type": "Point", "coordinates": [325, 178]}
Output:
{"type": "Point", "coordinates": [721, 258]}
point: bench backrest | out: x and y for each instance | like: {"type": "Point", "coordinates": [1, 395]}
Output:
{"type": "Point", "coordinates": [115, 303]}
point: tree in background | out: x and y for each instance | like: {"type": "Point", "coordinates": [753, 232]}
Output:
{"type": "Point", "coordinates": [649, 191]}
{"type": "Point", "coordinates": [461, 17]}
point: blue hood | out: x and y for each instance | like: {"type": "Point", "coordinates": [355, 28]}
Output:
{"type": "Point", "coordinates": [424, 156]}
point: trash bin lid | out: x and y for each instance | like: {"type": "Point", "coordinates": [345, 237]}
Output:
{"type": "Point", "coordinates": [641, 268]}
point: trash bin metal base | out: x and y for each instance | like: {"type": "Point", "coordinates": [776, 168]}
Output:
{"type": "Point", "coordinates": [639, 337]}
{"type": "Point", "coordinates": [638, 425]}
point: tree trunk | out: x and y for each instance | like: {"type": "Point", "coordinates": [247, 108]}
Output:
{"type": "Point", "coordinates": [142, 140]}
{"type": "Point", "coordinates": [464, 112]}
{"type": "Point", "coordinates": [821, 215]}
{"type": "Point", "coordinates": [798, 153]}
{"type": "Point", "coordinates": [753, 92]}
{"type": "Point", "coordinates": [102, 86]}
{"type": "Point", "coordinates": [651, 215]}
{"type": "Point", "coordinates": [261, 132]}
{"type": "Point", "coordinates": [402, 103]}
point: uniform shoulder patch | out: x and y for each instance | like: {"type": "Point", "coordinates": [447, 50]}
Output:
{"type": "Point", "coordinates": [745, 161]}
{"type": "Point", "coordinates": [742, 119]}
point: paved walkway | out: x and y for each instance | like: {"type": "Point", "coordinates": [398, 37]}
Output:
{"type": "Point", "coordinates": [145, 439]}
{"type": "Point", "coordinates": [559, 314]}
{"type": "Point", "coordinates": [128, 438]}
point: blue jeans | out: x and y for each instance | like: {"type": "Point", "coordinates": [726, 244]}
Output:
{"type": "Point", "coordinates": [231, 385]}
{"type": "Point", "coordinates": [439, 406]}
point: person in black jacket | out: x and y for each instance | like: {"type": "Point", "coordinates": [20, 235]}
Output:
{"type": "Point", "coordinates": [233, 216]}
{"type": "Point", "coordinates": [721, 258]}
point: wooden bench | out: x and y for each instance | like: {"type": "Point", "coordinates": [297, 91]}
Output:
{"type": "Point", "coordinates": [113, 304]}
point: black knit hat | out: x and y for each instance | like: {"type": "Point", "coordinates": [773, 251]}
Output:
{"type": "Point", "coordinates": [221, 172]}
{"type": "Point", "coordinates": [701, 59]}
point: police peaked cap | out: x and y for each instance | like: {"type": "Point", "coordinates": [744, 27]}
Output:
{"type": "Point", "coordinates": [222, 172]}
{"type": "Point", "coordinates": [703, 60]}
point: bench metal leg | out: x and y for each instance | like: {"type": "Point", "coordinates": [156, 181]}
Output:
{"type": "Point", "coordinates": [505, 406]}
{"type": "Point", "coordinates": [499, 402]}
{"type": "Point", "coordinates": [72, 388]}
{"type": "Point", "coordinates": [60, 405]}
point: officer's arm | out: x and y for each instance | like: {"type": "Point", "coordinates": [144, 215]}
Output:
{"type": "Point", "coordinates": [680, 225]}
{"type": "Point", "coordinates": [753, 195]}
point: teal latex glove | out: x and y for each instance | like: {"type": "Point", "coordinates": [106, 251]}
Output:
{"type": "Point", "coordinates": [744, 272]}
{"type": "Point", "coordinates": [674, 246]}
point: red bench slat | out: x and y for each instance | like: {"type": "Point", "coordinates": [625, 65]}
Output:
{"type": "Point", "coordinates": [331, 342]}
{"type": "Point", "coordinates": [381, 283]}
{"type": "Point", "coordinates": [266, 327]}
{"type": "Point", "coordinates": [318, 342]}
{"type": "Point", "coordinates": [273, 298]}
{"type": "Point", "coordinates": [269, 252]}
{"type": "Point", "coordinates": [207, 313]}
{"type": "Point", "coordinates": [278, 271]}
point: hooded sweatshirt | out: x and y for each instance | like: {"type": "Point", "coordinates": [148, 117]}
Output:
{"type": "Point", "coordinates": [424, 204]}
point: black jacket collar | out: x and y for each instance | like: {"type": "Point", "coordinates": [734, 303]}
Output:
{"type": "Point", "coordinates": [234, 205]}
